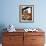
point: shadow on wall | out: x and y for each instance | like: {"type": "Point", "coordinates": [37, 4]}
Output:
{"type": "Point", "coordinates": [2, 26]}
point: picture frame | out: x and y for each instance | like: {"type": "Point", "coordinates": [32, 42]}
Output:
{"type": "Point", "coordinates": [26, 13]}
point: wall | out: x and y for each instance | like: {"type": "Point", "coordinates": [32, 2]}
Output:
{"type": "Point", "coordinates": [9, 13]}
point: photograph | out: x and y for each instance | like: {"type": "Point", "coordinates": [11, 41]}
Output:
{"type": "Point", "coordinates": [26, 13]}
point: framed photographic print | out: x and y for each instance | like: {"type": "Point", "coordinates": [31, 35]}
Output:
{"type": "Point", "coordinates": [26, 13]}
